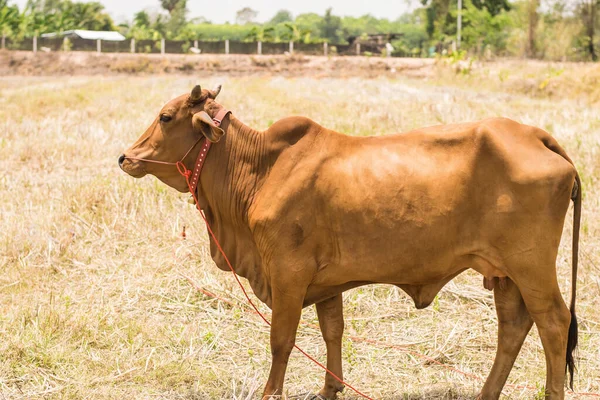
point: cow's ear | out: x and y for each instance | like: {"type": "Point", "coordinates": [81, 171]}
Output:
{"type": "Point", "coordinates": [215, 92]}
{"type": "Point", "coordinates": [196, 94]}
{"type": "Point", "coordinates": [204, 124]}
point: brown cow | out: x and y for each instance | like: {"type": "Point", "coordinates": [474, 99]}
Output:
{"type": "Point", "coordinates": [305, 213]}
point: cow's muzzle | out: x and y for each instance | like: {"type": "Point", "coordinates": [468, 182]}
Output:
{"type": "Point", "coordinates": [131, 166]}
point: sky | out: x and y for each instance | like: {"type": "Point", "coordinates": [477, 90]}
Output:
{"type": "Point", "coordinates": [224, 10]}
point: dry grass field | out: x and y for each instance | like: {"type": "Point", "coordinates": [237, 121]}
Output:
{"type": "Point", "coordinates": [98, 290]}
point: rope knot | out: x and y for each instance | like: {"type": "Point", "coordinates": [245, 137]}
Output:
{"type": "Point", "coordinates": [183, 169]}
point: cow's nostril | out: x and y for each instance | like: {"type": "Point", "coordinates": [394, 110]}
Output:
{"type": "Point", "coordinates": [121, 159]}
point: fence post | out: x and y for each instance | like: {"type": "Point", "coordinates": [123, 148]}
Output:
{"type": "Point", "coordinates": [34, 44]}
{"type": "Point", "coordinates": [98, 46]}
{"type": "Point", "coordinates": [196, 43]}
{"type": "Point", "coordinates": [3, 41]}
{"type": "Point", "coordinates": [133, 45]}
{"type": "Point", "coordinates": [291, 47]}
{"type": "Point", "coordinates": [162, 46]}
{"type": "Point", "coordinates": [259, 48]}
{"type": "Point", "coordinates": [358, 49]}
{"type": "Point", "coordinates": [227, 46]}
{"type": "Point", "coordinates": [325, 49]}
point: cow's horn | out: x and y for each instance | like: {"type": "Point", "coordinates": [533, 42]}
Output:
{"type": "Point", "coordinates": [196, 94]}
{"type": "Point", "coordinates": [216, 91]}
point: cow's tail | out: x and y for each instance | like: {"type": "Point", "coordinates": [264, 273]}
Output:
{"type": "Point", "coordinates": [553, 145]}
{"type": "Point", "coordinates": [572, 338]}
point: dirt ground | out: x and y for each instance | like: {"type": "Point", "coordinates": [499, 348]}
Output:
{"type": "Point", "coordinates": [554, 80]}
{"type": "Point", "coordinates": [87, 63]}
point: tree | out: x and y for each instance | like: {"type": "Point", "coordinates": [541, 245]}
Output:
{"type": "Point", "coordinates": [172, 5]}
{"type": "Point", "coordinates": [482, 28]}
{"type": "Point", "coordinates": [330, 26]}
{"type": "Point", "coordinates": [588, 10]}
{"type": "Point", "coordinates": [296, 34]}
{"type": "Point", "coordinates": [177, 20]}
{"type": "Point", "coordinates": [91, 16]}
{"type": "Point", "coordinates": [141, 19]}
{"type": "Point", "coordinates": [63, 21]}
{"type": "Point", "coordinates": [281, 16]}
{"type": "Point", "coordinates": [260, 34]}
{"type": "Point", "coordinates": [494, 7]}
{"type": "Point", "coordinates": [148, 27]}
{"type": "Point", "coordinates": [42, 16]}
{"type": "Point", "coordinates": [245, 16]}
{"type": "Point", "coordinates": [441, 15]}
{"type": "Point", "coordinates": [532, 21]}
{"type": "Point", "coordinates": [310, 22]}
{"type": "Point", "coordinates": [9, 19]}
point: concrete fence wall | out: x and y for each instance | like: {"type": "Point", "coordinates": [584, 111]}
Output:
{"type": "Point", "coordinates": [184, 47]}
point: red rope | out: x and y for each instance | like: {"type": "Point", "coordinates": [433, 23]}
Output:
{"type": "Point", "coordinates": [186, 173]}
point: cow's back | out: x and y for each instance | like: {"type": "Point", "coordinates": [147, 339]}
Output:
{"type": "Point", "coordinates": [410, 202]}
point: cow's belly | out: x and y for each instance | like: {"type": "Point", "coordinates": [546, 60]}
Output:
{"type": "Point", "coordinates": [401, 232]}
{"type": "Point", "coordinates": [402, 256]}
{"type": "Point", "coordinates": [415, 237]}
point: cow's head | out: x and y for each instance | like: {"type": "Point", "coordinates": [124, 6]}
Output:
{"type": "Point", "coordinates": [178, 127]}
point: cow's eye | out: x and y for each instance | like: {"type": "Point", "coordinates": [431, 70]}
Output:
{"type": "Point", "coordinates": [165, 118]}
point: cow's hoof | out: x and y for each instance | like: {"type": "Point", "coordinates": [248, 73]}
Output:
{"type": "Point", "coordinates": [329, 392]}
{"type": "Point", "coordinates": [307, 396]}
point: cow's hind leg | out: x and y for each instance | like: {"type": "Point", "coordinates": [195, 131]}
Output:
{"type": "Point", "coordinates": [514, 323]}
{"type": "Point", "coordinates": [552, 318]}
{"type": "Point", "coordinates": [331, 321]}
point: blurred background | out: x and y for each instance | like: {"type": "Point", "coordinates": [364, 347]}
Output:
{"type": "Point", "coordinates": [540, 29]}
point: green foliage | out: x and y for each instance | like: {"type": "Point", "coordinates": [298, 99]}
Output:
{"type": "Point", "coordinates": [413, 41]}
{"type": "Point", "coordinates": [352, 26]}
{"type": "Point", "coordinates": [145, 27]}
{"type": "Point", "coordinates": [173, 5]}
{"type": "Point", "coordinates": [177, 20]}
{"type": "Point", "coordinates": [53, 16]}
{"type": "Point", "coordinates": [478, 17]}
{"type": "Point", "coordinates": [483, 29]}
{"type": "Point", "coordinates": [330, 27]}
{"type": "Point", "coordinates": [260, 33]}
{"type": "Point", "coordinates": [309, 22]}
{"type": "Point", "coordinates": [281, 16]}
{"type": "Point", "coordinates": [9, 19]}
{"type": "Point", "coordinates": [494, 7]}
{"type": "Point", "coordinates": [296, 34]}
{"type": "Point", "coordinates": [219, 32]}
{"type": "Point", "coordinates": [245, 16]}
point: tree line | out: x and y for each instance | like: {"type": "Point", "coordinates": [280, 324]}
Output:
{"type": "Point", "coordinates": [546, 29]}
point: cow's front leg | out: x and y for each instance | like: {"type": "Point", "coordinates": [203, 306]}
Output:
{"type": "Point", "coordinates": [286, 304]}
{"type": "Point", "coordinates": [331, 321]}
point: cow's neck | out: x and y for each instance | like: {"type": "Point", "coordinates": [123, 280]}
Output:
{"type": "Point", "coordinates": [233, 171]}
{"type": "Point", "coordinates": [232, 175]}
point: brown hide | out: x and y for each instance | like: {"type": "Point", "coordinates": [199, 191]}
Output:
{"type": "Point", "coordinates": [305, 213]}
